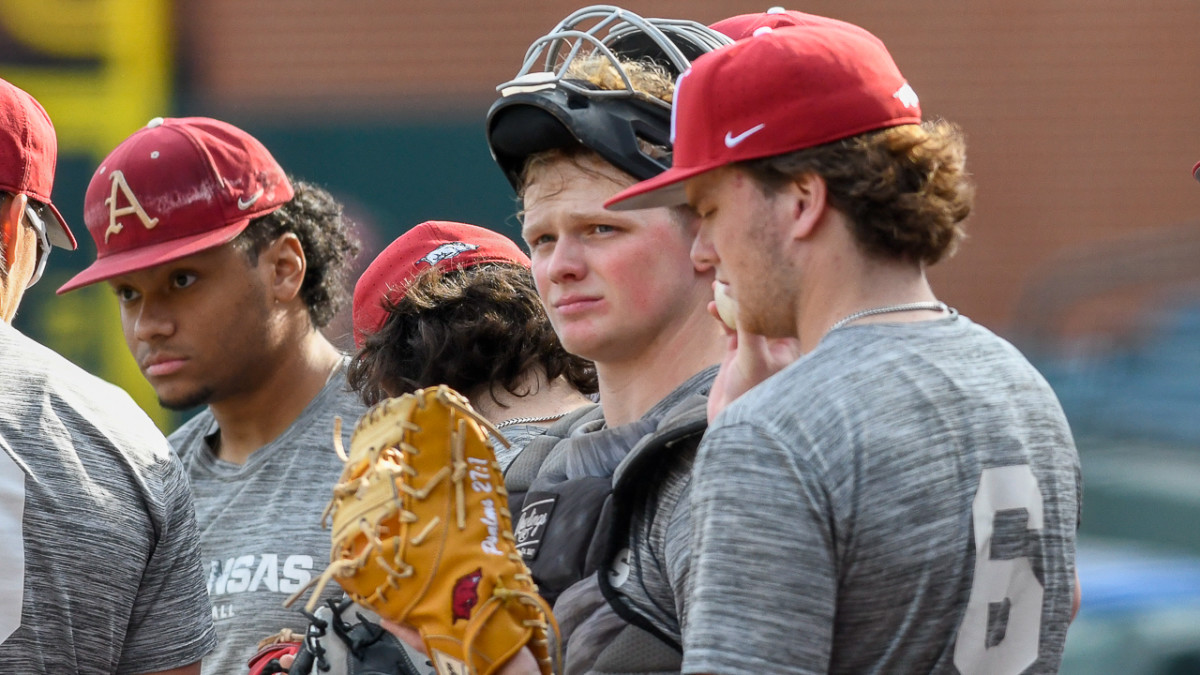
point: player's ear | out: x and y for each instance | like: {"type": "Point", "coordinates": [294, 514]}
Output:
{"type": "Point", "coordinates": [285, 265]}
{"type": "Point", "coordinates": [805, 198]}
{"type": "Point", "coordinates": [12, 210]}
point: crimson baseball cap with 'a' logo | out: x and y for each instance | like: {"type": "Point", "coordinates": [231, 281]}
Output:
{"type": "Point", "coordinates": [435, 243]}
{"type": "Point", "coordinates": [779, 91]}
{"type": "Point", "coordinates": [174, 188]}
{"type": "Point", "coordinates": [28, 156]}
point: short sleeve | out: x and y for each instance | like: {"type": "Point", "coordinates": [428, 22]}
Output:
{"type": "Point", "coordinates": [171, 625]}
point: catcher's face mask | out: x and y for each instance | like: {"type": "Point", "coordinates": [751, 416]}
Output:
{"type": "Point", "coordinates": [542, 109]}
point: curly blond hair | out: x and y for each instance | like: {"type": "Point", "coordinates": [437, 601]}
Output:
{"type": "Point", "coordinates": [649, 79]}
{"type": "Point", "coordinates": [905, 189]}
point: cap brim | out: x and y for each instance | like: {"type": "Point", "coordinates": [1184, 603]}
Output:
{"type": "Point", "coordinates": [1196, 171]}
{"type": "Point", "coordinates": [665, 189]}
{"type": "Point", "coordinates": [149, 256]}
{"type": "Point", "coordinates": [58, 233]}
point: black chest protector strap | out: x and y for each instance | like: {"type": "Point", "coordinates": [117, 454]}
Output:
{"type": "Point", "coordinates": [635, 490]}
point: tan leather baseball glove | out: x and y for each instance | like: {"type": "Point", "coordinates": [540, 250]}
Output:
{"type": "Point", "coordinates": [422, 534]}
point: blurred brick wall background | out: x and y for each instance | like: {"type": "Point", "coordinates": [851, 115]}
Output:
{"type": "Point", "coordinates": [1081, 114]}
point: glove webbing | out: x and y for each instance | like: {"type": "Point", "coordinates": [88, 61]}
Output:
{"type": "Point", "coordinates": [389, 468]}
{"type": "Point", "coordinates": [392, 466]}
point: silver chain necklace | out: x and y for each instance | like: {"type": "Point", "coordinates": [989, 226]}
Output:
{"type": "Point", "coordinates": [907, 307]}
{"type": "Point", "coordinates": [528, 420]}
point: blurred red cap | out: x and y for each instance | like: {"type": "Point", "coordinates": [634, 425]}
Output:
{"type": "Point", "coordinates": [435, 243]}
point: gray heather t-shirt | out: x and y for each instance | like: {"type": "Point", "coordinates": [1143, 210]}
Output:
{"type": "Point", "coordinates": [838, 508]}
{"type": "Point", "coordinates": [260, 523]}
{"type": "Point", "coordinates": [100, 568]}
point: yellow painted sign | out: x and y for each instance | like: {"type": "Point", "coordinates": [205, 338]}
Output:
{"type": "Point", "coordinates": [102, 69]}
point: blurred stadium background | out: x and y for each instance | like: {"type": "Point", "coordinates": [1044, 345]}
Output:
{"type": "Point", "coordinates": [1084, 249]}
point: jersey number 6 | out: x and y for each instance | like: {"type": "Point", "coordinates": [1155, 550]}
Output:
{"type": "Point", "coordinates": [1001, 584]}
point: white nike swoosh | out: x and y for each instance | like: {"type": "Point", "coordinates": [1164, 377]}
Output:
{"type": "Point", "coordinates": [247, 203]}
{"type": "Point", "coordinates": [731, 140]}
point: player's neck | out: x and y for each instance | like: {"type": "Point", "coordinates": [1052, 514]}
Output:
{"type": "Point", "coordinates": [546, 399]}
{"type": "Point", "coordinates": [856, 283]}
{"type": "Point", "coordinates": [629, 388]}
{"type": "Point", "coordinates": [258, 416]}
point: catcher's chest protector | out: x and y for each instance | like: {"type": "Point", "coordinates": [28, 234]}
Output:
{"type": "Point", "coordinates": [606, 629]}
{"type": "Point", "coordinates": [563, 524]}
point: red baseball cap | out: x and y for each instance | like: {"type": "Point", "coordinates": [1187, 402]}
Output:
{"type": "Point", "coordinates": [773, 93]}
{"type": "Point", "coordinates": [435, 243]}
{"type": "Point", "coordinates": [748, 25]}
{"type": "Point", "coordinates": [28, 155]}
{"type": "Point", "coordinates": [1196, 171]}
{"type": "Point", "coordinates": [174, 188]}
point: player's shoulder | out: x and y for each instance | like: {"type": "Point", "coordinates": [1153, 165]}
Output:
{"type": "Point", "coordinates": [850, 370]}
{"type": "Point", "coordinates": [336, 398]}
{"type": "Point", "coordinates": [339, 399]}
{"type": "Point", "coordinates": [34, 364]}
{"type": "Point", "coordinates": [69, 388]}
{"type": "Point", "coordinates": [314, 426]}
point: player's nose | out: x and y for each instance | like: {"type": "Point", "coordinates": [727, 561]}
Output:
{"type": "Point", "coordinates": [567, 262]}
{"type": "Point", "coordinates": [152, 320]}
{"type": "Point", "coordinates": [704, 254]}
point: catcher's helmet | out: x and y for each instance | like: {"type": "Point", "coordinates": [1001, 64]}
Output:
{"type": "Point", "coordinates": [542, 109]}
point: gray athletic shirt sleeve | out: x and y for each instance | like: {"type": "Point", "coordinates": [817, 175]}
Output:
{"type": "Point", "coordinates": [833, 504]}
{"type": "Point", "coordinates": [101, 566]}
{"type": "Point", "coordinates": [260, 522]}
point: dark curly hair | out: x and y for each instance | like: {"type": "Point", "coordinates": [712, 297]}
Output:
{"type": "Point", "coordinates": [315, 217]}
{"type": "Point", "coordinates": [905, 189]}
{"type": "Point", "coordinates": [482, 326]}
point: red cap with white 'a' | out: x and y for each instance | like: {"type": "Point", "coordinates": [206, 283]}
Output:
{"type": "Point", "coordinates": [176, 187]}
{"type": "Point", "coordinates": [774, 93]}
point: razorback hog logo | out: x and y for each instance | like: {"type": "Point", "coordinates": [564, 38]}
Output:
{"type": "Point", "coordinates": [445, 251]}
{"type": "Point", "coordinates": [466, 594]}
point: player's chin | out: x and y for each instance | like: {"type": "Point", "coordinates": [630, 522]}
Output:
{"type": "Point", "coordinates": [177, 399]}
{"type": "Point", "coordinates": [574, 334]}
{"type": "Point", "coordinates": [603, 349]}
{"type": "Point", "coordinates": [584, 341]}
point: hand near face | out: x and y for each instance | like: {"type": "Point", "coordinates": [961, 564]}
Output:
{"type": "Point", "coordinates": [749, 359]}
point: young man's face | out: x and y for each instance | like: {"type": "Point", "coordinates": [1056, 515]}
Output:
{"type": "Point", "coordinates": [198, 327]}
{"type": "Point", "coordinates": [742, 233]}
{"type": "Point", "coordinates": [613, 283]}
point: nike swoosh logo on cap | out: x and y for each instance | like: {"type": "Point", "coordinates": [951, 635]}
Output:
{"type": "Point", "coordinates": [732, 141]}
{"type": "Point", "coordinates": [247, 203]}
